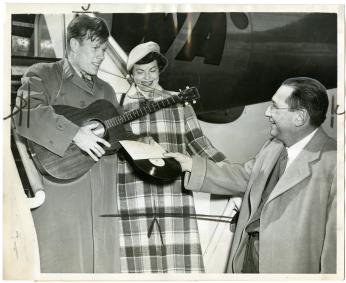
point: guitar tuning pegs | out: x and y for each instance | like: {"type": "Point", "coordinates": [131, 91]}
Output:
{"type": "Point", "coordinates": [187, 87]}
{"type": "Point", "coordinates": [194, 101]}
{"type": "Point", "coordinates": [179, 90]}
{"type": "Point", "coordinates": [186, 103]}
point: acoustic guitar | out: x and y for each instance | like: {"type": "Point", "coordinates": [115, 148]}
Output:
{"type": "Point", "coordinates": [75, 162]}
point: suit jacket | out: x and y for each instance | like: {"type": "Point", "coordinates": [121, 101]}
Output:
{"type": "Point", "coordinates": [298, 221]}
{"type": "Point", "coordinates": [71, 235]}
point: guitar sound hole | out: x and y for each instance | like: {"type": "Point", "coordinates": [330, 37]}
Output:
{"type": "Point", "coordinates": [99, 130]}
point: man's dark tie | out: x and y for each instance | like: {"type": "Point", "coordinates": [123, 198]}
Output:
{"type": "Point", "coordinates": [251, 262]}
{"type": "Point", "coordinates": [88, 80]}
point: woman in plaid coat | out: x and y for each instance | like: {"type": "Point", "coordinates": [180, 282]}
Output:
{"type": "Point", "coordinates": [162, 243]}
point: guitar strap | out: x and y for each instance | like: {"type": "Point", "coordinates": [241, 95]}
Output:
{"type": "Point", "coordinates": [122, 98]}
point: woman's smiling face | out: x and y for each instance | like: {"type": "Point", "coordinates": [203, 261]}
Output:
{"type": "Point", "coordinates": [146, 76]}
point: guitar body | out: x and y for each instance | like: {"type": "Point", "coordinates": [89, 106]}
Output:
{"type": "Point", "coordinates": [75, 163]}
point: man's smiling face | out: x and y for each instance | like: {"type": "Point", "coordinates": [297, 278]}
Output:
{"type": "Point", "coordinates": [89, 55]}
{"type": "Point", "coordinates": [281, 117]}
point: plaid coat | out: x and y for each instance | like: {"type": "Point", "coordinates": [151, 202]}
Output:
{"type": "Point", "coordinates": [160, 243]}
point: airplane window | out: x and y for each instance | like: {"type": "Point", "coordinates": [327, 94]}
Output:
{"type": "Point", "coordinates": [22, 39]}
{"type": "Point", "coordinates": [240, 20]}
{"type": "Point", "coordinates": [30, 36]}
{"type": "Point", "coordinates": [20, 46]}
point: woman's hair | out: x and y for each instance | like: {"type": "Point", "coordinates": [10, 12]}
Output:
{"type": "Point", "coordinates": [150, 57]}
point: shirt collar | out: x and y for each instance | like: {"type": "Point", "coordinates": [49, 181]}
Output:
{"type": "Point", "coordinates": [70, 72]}
{"type": "Point", "coordinates": [70, 69]}
{"type": "Point", "coordinates": [295, 149]}
{"type": "Point", "coordinates": [81, 74]}
{"type": "Point", "coordinates": [75, 69]}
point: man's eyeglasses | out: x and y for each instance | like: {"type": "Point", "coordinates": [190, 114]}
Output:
{"type": "Point", "coordinates": [273, 107]}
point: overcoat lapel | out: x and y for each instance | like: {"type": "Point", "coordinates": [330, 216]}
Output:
{"type": "Point", "coordinates": [69, 72]}
{"type": "Point", "coordinates": [264, 164]}
{"type": "Point", "coordinates": [300, 167]}
{"type": "Point", "coordinates": [98, 87]}
{"type": "Point", "coordinates": [268, 162]}
{"type": "Point", "coordinates": [78, 81]}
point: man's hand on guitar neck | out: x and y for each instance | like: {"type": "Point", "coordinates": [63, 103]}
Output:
{"type": "Point", "coordinates": [87, 141]}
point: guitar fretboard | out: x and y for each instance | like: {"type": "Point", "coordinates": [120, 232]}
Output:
{"type": "Point", "coordinates": [140, 112]}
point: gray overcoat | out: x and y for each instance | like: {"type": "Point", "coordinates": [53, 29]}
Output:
{"type": "Point", "coordinates": [298, 221]}
{"type": "Point", "coordinates": [71, 235]}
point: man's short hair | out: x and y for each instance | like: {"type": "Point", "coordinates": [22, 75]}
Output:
{"type": "Point", "coordinates": [311, 95]}
{"type": "Point", "coordinates": [84, 25]}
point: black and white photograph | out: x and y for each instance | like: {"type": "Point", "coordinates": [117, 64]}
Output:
{"type": "Point", "coordinates": [172, 141]}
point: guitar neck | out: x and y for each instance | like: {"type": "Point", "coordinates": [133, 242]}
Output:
{"type": "Point", "coordinates": [140, 112]}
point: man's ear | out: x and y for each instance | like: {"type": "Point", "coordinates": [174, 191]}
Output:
{"type": "Point", "coordinates": [302, 117]}
{"type": "Point", "coordinates": [74, 44]}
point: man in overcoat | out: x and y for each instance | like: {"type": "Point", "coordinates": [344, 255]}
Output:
{"type": "Point", "coordinates": [71, 235]}
{"type": "Point", "coordinates": [287, 220]}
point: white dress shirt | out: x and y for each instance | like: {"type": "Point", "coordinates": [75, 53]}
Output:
{"type": "Point", "coordinates": [295, 149]}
